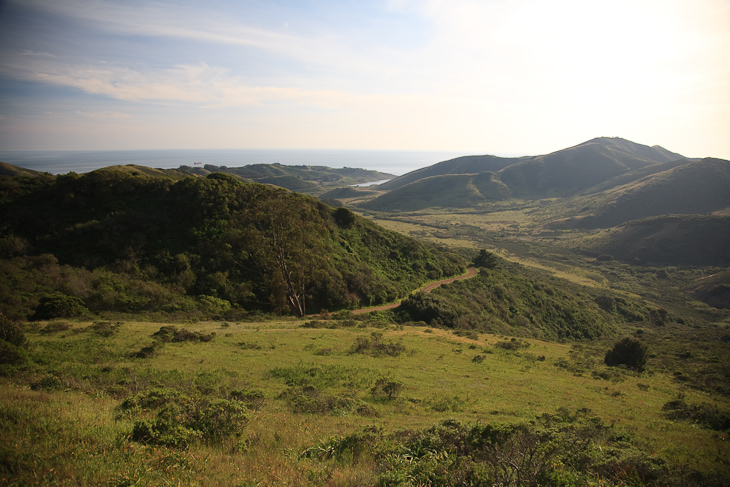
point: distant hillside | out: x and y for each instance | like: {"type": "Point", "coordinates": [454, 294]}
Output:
{"type": "Point", "coordinates": [349, 192]}
{"type": "Point", "coordinates": [133, 240]}
{"type": "Point", "coordinates": [452, 191]}
{"type": "Point", "coordinates": [570, 171]}
{"type": "Point", "coordinates": [306, 179]}
{"type": "Point", "coordinates": [695, 187]}
{"type": "Point", "coordinates": [597, 165]}
{"type": "Point", "coordinates": [460, 165]}
{"type": "Point", "coordinates": [10, 170]}
{"type": "Point", "coordinates": [698, 240]}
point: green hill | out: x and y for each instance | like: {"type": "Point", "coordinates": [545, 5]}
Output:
{"type": "Point", "coordinates": [596, 165]}
{"type": "Point", "coordinates": [125, 240]}
{"type": "Point", "coordinates": [569, 171]}
{"type": "Point", "coordinates": [306, 179]}
{"type": "Point", "coordinates": [698, 240]}
{"type": "Point", "coordinates": [695, 187]}
{"type": "Point", "coordinates": [451, 191]}
{"type": "Point", "coordinates": [459, 165]}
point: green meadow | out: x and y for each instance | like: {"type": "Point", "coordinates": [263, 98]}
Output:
{"type": "Point", "coordinates": [348, 401]}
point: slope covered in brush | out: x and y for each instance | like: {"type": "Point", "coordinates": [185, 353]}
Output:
{"type": "Point", "coordinates": [121, 240]}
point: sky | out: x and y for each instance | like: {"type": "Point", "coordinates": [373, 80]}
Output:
{"type": "Point", "coordinates": [508, 77]}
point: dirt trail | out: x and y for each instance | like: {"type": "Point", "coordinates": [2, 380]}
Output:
{"type": "Point", "coordinates": [470, 272]}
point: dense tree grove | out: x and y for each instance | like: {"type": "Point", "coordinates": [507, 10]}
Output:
{"type": "Point", "coordinates": [117, 240]}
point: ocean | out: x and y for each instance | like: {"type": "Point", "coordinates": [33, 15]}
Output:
{"type": "Point", "coordinates": [395, 162]}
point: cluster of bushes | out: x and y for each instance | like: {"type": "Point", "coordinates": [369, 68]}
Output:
{"type": "Point", "coordinates": [707, 415]}
{"type": "Point", "coordinates": [375, 346]}
{"type": "Point", "coordinates": [555, 449]}
{"type": "Point", "coordinates": [168, 417]}
{"type": "Point", "coordinates": [171, 334]}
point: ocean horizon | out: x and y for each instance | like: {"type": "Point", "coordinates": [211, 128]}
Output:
{"type": "Point", "coordinates": [396, 162]}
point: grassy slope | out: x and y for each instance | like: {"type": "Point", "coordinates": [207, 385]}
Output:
{"type": "Point", "coordinates": [450, 191]}
{"type": "Point", "coordinates": [66, 434]}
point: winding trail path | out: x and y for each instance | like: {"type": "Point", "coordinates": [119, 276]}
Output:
{"type": "Point", "coordinates": [470, 272]}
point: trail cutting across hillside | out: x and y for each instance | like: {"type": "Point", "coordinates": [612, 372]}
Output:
{"type": "Point", "coordinates": [470, 272]}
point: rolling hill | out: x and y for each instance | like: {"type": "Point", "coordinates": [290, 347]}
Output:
{"type": "Point", "coordinates": [568, 172]}
{"type": "Point", "coordinates": [694, 187]}
{"type": "Point", "coordinates": [303, 179]}
{"type": "Point", "coordinates": [452, 191]}
{"type": "Point", "coordinates": [696, 240]}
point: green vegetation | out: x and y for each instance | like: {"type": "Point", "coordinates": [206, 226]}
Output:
{"type": "Point", "coordinates": [303, 179]}
{"type": "Point", "coordinates": [167, 328]}
{"type": "Point", "coordinates": [629, 352]}
{"type": "Point", "coordinates": [115, 242]}
{"type": "Point", "coordinates": [451, 408]}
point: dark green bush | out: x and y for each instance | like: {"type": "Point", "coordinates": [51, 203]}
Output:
{"type": "Point", "coordinates": [173, 334]}
{"type": "Point", "coordinates": [57, 305]}
{"type": "Point", "coordinates": [485, 259]}
{"type": "Point", "coordinates": [512, 345]}
{"type": "Point", "coordinates": [629, 352]}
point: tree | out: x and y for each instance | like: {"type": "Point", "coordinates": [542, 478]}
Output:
{"type": "Point", "coordinates": [485, 259]}
{"type": "Point", "coordinates": [280, 240]}
{"type": "Point", "coordinates": [628, 351]}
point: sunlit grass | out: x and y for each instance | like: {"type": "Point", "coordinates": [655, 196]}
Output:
{"type": "Point", "coordinates": [68, 435]}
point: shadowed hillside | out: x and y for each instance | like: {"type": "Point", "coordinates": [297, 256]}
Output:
{"type": "Point", "coordinates": [695, 187]}
{"type": "Point", "coordinates": [570, 171]}
{"type": "Point", "coordinates": [597, 165]}
{"type": "Point", "coordinates": [670, 240]}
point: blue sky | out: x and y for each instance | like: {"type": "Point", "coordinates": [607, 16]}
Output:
{"type": "Point", "coordinates": [488, 76]}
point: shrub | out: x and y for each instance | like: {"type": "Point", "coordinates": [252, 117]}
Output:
{"type": "Point", "coordinates": [485, 259]}
{"type": "Point", "coordinates": [181, 420]}
{"type": "Point", "coordinates": [59, 305]}
{"type": "Point", "coordinates": [628, 351]}
{"type": "Point", "coordinates": [376, 347]}
{"type": "Point", "coordinates": [513, 345]}
{"type": "Point", "coordinates": [386, 390]}
{"type": "Point", "coordinates": [308, 399]}
{"type": "Point", "coordinates": [12, 333]}
{"type": "Point", "coordinates": [174, 334]}
{"type": "Point", "coordinates": [708, 415]}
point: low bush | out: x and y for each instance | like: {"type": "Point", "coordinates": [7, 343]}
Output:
{"type": "Point", "coordinates": [173, 334]}
{"type": "Point", "coordinates": [180, 420]}
{"type": "Point", "coordinates": [704, 414]}
{"type": "Point", "coordinates": [386, 389]}
{"type": "Point", "coordinates": [375, 346]}
{"type": "Point", "coordinates": [512, 345]}
{"type": "Point", "coordinates": [308, 399]}
{"type": "Point", "coordinates": [57, 305]}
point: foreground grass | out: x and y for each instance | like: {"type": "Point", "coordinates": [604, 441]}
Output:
{"type": "Point", "coordinates": [60, 421]}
